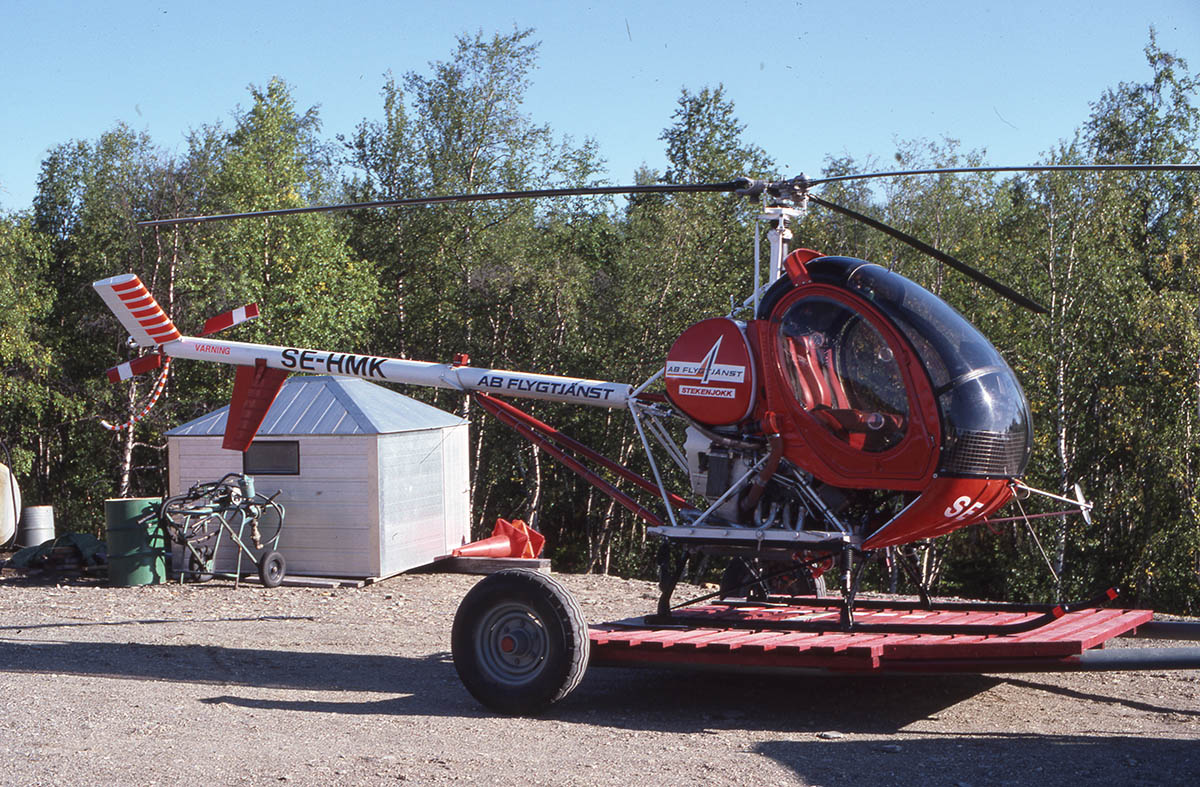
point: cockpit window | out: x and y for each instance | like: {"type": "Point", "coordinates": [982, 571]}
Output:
{"type": "Point", "coordinates": [842, 371]}
{"type": "Point", "coordinates": [987, 429]}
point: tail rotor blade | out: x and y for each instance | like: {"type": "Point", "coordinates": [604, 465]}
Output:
{"type": "Point", "coordinates": [137, 310]}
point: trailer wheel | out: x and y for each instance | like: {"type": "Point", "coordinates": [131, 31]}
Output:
{"type": "Point", "coordinates": [519, 642]}
{"type": "Point", "coordinates": [271, 568]}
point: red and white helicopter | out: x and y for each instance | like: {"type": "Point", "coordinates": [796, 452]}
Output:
{"type": "Point", "coordinates": [841, 409]}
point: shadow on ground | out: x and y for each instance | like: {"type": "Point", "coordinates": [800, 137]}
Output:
{"type": "Point", "coordinates": [215, 664]}
{"type": "Point", "coordinates": [427, 684]}
{"type": "Point", "coordinates": [1045, 760]}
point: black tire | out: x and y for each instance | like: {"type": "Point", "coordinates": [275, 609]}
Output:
{"type": "Point", "coordinates": [199, 570]}
{"type": "Point", "coordinates": [271, 568]}
{"type": "Point", "coordinates": [519, 642]}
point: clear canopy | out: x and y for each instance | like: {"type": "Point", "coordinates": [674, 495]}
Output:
{"type": "Point", "coordinates": [843, 371]}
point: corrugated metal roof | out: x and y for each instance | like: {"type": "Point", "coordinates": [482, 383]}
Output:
{"type": "Point", "coordinates": [327, 404]}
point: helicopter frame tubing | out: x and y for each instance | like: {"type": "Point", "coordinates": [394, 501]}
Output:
{"type": "Point", "coordinates": [701, 532]}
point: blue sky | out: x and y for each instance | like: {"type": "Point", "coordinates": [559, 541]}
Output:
{"type": "Point", "coordinates": [809, 79]}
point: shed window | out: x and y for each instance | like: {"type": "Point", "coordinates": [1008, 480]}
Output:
{"type": "Point", "coordinates": [274, 457]}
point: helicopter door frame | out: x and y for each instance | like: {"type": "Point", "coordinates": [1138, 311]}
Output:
{"type": "Point", "coordinates": [909, 464]}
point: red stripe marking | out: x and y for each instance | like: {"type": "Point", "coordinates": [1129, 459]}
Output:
{"type": "Point", "coordinates": [145, 363]}
{"type": "Point", "coordinates": [126, 285]}
{"type": "Point", "coordinates": [140, 292]}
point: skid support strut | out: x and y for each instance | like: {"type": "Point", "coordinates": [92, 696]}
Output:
{"type": "Point", "coordinates": [851, 579]}
{"type": "Point", "coordinates": [671, 565]}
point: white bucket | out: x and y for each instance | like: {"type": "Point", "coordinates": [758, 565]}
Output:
{"type": "Point", "coordinates": [36, 527]}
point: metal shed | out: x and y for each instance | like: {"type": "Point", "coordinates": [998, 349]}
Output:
{"type": "Point", "coordinates": [374, 482]}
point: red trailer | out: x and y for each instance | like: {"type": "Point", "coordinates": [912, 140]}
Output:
{"type": "Point", "coordinates": [520, 642]}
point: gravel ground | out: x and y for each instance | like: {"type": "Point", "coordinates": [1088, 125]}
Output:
{"type": "Point", "coordinates": [170, 683]}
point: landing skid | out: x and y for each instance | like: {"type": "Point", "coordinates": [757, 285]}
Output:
{"type": "Point", "coordinates": [1007, 618]}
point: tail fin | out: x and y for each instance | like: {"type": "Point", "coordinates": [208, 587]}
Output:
{"type": "Point", "coordinates": [137, 310]}
{"type": "Point", "coordinates": [254, 391]}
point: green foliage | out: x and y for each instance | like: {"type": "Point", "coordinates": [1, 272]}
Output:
{"type": "Point", "coordinates": [312, 288]}
{"type": "Point", "coordinates": [25, 361]}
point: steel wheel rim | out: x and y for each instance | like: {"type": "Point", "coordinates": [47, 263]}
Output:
{"type": "Point", "coordinates": [512, 645]}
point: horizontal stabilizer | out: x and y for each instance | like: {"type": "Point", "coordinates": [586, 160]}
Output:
{"type": "Point", "coordinates": [230, 318]}
{"type": "Point", "coordinates": [254, 389]}
{"type": "Point", "coordinates": [137, 310]}
{"type": "Point", "coordinates": [135, 367]}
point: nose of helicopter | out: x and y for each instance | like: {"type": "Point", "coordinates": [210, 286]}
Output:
{"type": "Point", "coordinates": [945, 505]}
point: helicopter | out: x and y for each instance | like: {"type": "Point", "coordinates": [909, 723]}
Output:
{"type": "Point", "coordinates": [840, 413]}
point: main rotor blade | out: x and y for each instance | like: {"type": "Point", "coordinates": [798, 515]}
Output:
{"type": "Point", "coordinates": [1030, 168]}
{"type": "Point", "coordinates": [732, 185]}
{"type": "Point", "coordinates": [958, 265]}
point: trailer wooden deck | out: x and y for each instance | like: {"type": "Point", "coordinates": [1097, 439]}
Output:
{"type": "Point", "coordinates": [758, 636]}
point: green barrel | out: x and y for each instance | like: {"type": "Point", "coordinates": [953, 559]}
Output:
{"type": "Point", "coordinates": [137, 544]}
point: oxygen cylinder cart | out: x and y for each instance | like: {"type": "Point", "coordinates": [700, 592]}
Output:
{"type": "Point", "coordinates": [212, 514]}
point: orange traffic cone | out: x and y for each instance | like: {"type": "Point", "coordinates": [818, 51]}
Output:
{"type": "Point", "coordinates": [508, 539]}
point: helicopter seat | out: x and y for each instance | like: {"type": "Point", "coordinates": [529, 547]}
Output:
{"type": "Point", "coordinates": [822, 392]}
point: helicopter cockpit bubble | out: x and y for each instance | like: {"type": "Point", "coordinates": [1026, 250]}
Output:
{"type": "Point", "coordinates": [986, 425]}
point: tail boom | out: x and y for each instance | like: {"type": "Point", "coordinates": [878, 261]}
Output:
{"type": "Point", "coordinates": [262, 368]}
{"type": "Point", "coordinates": [524, 385]}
